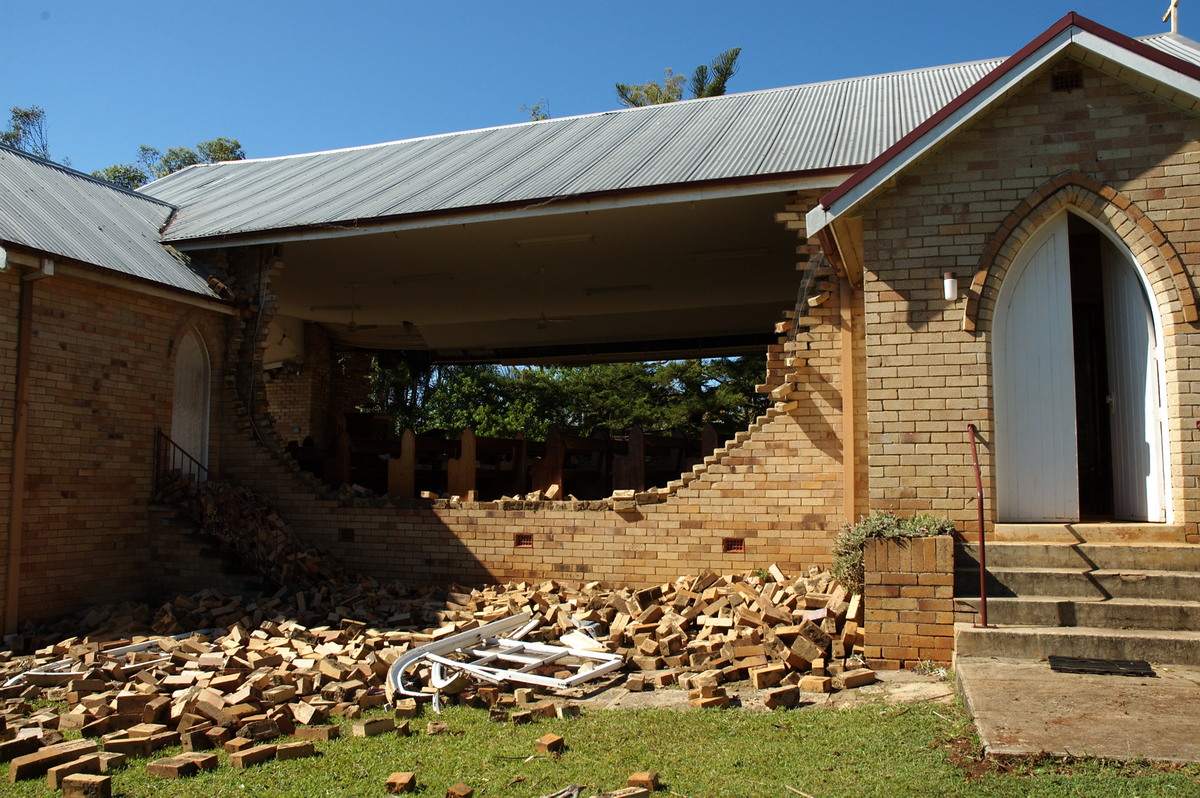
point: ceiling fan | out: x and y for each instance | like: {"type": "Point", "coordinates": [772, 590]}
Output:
{"type": "Point", "coordinates": [352, 326]}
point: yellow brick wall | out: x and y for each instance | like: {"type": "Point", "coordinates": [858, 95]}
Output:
{"type": "Point", "coordinates": [100, 381]}
{"type": "Point", "coordinates": [926, 376]}
{"type": "Point", "coordinates": [908, 601]}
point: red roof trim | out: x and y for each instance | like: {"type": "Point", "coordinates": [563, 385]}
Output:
{"type": "Point", "coordinates": [1072, 19]}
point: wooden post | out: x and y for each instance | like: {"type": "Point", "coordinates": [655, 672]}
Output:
{"type": "Point", "coordinates": [460, 471]}
{"type": "Point", "coordinates": [402, 470]}
{"type": "Point", "coordinates": [849, 485]}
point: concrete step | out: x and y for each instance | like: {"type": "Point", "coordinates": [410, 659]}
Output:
{"type": "Point", "coordinates": [1008, 582]}
{"type": "Point", "coordinates": [1110, 532]}
{"type": "Point", "coordinates": [1080, 583]}
{"type": "Point", "coordinates": [1039, 642]}
{"type": "Point", "coordinates": [1142, 556]}
{"type": "Point", "coordinates": [1124, 613]}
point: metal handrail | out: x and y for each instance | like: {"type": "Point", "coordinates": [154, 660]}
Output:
{"type": "Point", "coordinates": [972, 434]}
{"type": "Point", "coordinates": [169, 455]}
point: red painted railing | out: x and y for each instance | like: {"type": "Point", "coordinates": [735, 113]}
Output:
{"type": "Point", "coordinates": [169, 456]}
{"type": "Point", "coordinates": [972, 435]}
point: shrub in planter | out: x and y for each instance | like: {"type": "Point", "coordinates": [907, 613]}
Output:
{"type": "Point", "coordinates": [849, 544]}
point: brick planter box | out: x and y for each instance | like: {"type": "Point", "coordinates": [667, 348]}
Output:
{"type": "Point", "coordinates": [908, 601]}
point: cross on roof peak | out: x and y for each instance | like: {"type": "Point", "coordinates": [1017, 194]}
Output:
{"type": "Point", "coordinates": [1173, 14]}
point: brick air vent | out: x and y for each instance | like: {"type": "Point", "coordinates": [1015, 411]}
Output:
{"type": "Point", "coordinates": [1066, 81]}
{"type": "Point", "coordinates": [733, 545]}
{"type": "Point", "coordinates": [523, 540]}
{"type": "Point", "coordinates": [345, 535]}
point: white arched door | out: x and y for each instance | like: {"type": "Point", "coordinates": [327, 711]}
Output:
{"type": "Point", "coordinates": [189, 413]}
{"type": "Point", "coordinates": [1033, 357]}
{"type": "Point", "coordinates": [1037, 477]}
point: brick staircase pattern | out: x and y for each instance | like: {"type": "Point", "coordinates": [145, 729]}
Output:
{"type": "Point", "coordinates": [1109, 600]}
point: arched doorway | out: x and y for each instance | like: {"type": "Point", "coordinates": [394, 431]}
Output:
{"type": "Point", "coordinates": [1078, 387]}
{"type": "Point", "coordinates": [189, 413]}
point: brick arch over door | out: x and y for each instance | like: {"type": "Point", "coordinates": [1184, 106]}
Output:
{"type": "Point", "coordinates": [1106, 207]}
{"type": "Point", "coordinates": [1028, 297]}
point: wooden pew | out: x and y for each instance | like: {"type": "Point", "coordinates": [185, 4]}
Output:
{"type": "Point", "coordinates": [652, 460]}
{"type": "Point", "coordinates": [470, 466]}
{"type": "Point", "coordinates": [361, 442]}
{"type": "Point", "coordinates": [578, 466]}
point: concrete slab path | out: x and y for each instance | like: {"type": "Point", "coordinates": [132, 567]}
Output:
{"type": "Point", "coordinates": [1021, 707]}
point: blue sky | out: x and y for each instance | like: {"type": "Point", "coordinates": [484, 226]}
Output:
{"type": "Point", "coordinates": [300, 76]}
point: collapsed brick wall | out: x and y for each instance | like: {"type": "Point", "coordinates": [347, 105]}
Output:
{"type": "Point", "coordinates": [908, 601]}
{"type": "Point", "coordinates": [101, 379]}
{"type": "Point", "coordinates": [927, 377]}
{"type": "Point", "coordinates": [770, 498]}
{"type": "Point", "coordinates": [772, 495]}
{"type": "Point", "coordinates": [299, 396]}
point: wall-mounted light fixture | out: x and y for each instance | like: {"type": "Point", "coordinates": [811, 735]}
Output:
{"type": "Point", "coordinates": [949, 286]}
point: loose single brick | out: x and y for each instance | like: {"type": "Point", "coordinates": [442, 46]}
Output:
{"type": "Point", "coordinates": [295, 750]}
{"type": "Point", "coordinates": [401, 782]}
{"type": "Point", "coordinates": [252, 756]}
{"type": "Point", "coordinates": [403, 728]}
{"type": "Point", "coordinates": [110, 761]}
{"type": "Point", "coordinates": [646, 779]}
{"type": "Point", "coordinates": [318, 733]}
{"type": "Point", "coordinates": [548, 744]}
{"type": "Point", "coordinates": [437, 727]}
{"type": "Point", "coordinates": [172, 767]}
{"type": "Point", "coordinates": [816, 684]}
{"type": "Point", "coordinates": [858, 677]}
{"type": "Point", "coordinates": [259, 730]}
{"type": "Point", "coordinates": [195, 740]}
{"type": "Point", "coordinates": [237, 744]}
{"type": "Point", "coordinates": [202, 760]}
{"type": "Point", "coordinates": [219, 735]}
{"type": "Point", "coordinates": [373, 726]}
{"type": "Point", "coordinates": [407, 707]}
{"type": "Point", "coordinates": [460, 790]}
{"type": "Point", "coordinates": [87, 785]}
{"type": "Point", "coordinates": [781, 697]}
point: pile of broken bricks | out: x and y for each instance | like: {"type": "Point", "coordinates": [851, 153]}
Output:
{"type": "Point", "coordinates": [268, 676]}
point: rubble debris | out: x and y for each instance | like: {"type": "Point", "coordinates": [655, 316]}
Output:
{"type": "Point", "coordinates": [269, 672]}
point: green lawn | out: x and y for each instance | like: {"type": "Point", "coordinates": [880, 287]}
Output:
{"type": "Point", "coordinates": [873, 750]}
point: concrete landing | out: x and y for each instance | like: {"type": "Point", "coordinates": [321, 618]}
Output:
{"type": "Point", "coordinates": [1023, 708]}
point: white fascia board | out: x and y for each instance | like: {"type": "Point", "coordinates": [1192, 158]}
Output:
{"type": "Point", "coordinates": [960, 117]}
{"type": "Point", "coordinates": [1138, 63]}
{"type": "Point", "coordinates": [1111, 52]}
{"type": "Point", "coordinates": [550, 207]}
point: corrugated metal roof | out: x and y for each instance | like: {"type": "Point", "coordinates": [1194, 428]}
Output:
{"type": "Point", "coordinates": [57, 210]}
{"type": "Point", "coordinates": [1181, 47]}
{"type": "Point", "coordinates": [833, 125]}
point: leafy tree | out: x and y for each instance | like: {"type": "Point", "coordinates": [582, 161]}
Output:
{"type": "Point", "coordinates": [123, 174]}
{"type": "Point", "coordinates": [153, 164]}
{"type": "Point", "coordinates": [708, 80]}
{"type": "Point", "coordinates": [723, 68]}
{"type": "Point", "coordinates": [27, 131]}
{"type": "Point", "coordinates": [538, 111]}
{"type": "Point", "coordinates": [496, 401]}
{"type": "Point", "coordinates": [651, 93]}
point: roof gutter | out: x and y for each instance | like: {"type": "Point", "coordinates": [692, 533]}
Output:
{"type": "Point", "coordinates": [16, 503]}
